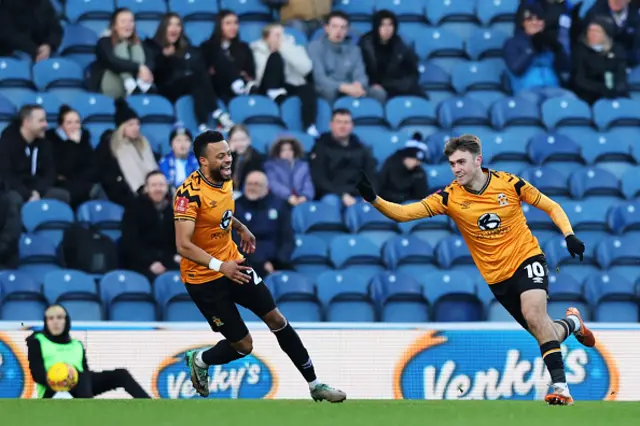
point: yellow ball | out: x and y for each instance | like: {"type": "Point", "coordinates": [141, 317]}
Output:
{"type": "Point", "coordinates": [62, 377]}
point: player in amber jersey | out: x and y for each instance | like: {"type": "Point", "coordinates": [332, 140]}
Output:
{"type": "Point", "coordinates": [217, 276]}
{"type": "Point", "coordinates": [486, 207]}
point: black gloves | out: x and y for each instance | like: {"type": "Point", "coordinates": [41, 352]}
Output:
{"type": "Point", "coordinates": [575, 246]}
{"type": "Point", "coordinates": [365, 188]}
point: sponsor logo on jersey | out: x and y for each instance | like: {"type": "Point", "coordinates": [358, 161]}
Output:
{"type": "Point", "coordinates": [246, 378]}
{"type": "Point", "coordinates": [15, 377]}
{"type": "Point", "coordinates": [447, 365]}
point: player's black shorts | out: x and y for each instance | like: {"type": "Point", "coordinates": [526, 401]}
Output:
{"type": "Point", "coordinates": [532, 274]}
{"type": "Point", "coordinates": [217, 301]}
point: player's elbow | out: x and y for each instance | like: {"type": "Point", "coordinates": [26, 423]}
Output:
{"type": "Point", "coordinates": [182, 247]}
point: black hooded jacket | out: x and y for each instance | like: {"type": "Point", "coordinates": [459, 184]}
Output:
{"type": "Point", "coordinates": [34, 353]}
{"type": "Point", "coordinates": [399, 184]}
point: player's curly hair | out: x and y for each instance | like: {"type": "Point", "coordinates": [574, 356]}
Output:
{"type": "Point", "coordinates": [204, 139]}
{"type": "Point", "coordinates": [466, 143]}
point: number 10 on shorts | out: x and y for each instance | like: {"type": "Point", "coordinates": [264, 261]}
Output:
{"type": "Point", "coordinates": [536, 272]}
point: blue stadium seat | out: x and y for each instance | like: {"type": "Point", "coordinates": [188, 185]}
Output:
{"type": "Point", "coordinates": [473, 75]}
{"type": "Point", "coordinates": [618, 250]}
{"type": "Point", "coordinates": [299, 37]}
{"type": "Point", "coordinates": [251, 31]}
{"type": "Point", "coordinates": [407, 110]}
{"type": "Point", "coordinates": [453, 251]}
{"type": "Point", "coordinates": [49, 101]}
{"type": "Point", "coordinates": [440, 12]}
{"type": "Point", "coordinates": [593, 181]}
{"type": "Point", "coordinates": [318, 218]}
{"type": "Point", "coordinates": [565, 291]}
{"type": "Point", "coordinates": [58, 75]}
{"type": "Point", "coordinates": [433, 77]}
{"type": "Point", "coordinates": [435, 146]}
{"type": "Point", "coordinates": [128, 296]}
{"type": "Point", "coordinates": [497, 147]}
{"type": "Point", "coordinates": [603, 147]}
{"type": "Point", "coordinates": [7, 109]}
{"type": "Point", "coordinates": [630, 183]}
{"type": "Point", "coordinates": [48, 218]}
{"type": "Point", "coordinates": [547, 147]}
{"type": "Point", "coordinates": [625, 217]}
{"type": "Point", "coordinates": [144, 9]}
{"type": "Point", "coordinates": [439, 176]}
{"type": "Point", "coordinates": [290, 110]}
{"type": "Point", "coordinates": [399, 298]}
{"type": "Point", "coordinates": [77, 291]}
{"type": "Point", "coordinates": [369, 222]}
{"type": "Point", "coordinates": [515, 111]}
{"type": "Point", "coordinates": [255, 109]}
{"type": "Point", "coordinates": [462, 111]}
{"type": "Point", "coordinates": [79, 44]}
{"type": "Point", "coordinates": [364, 111]}
{"type": "Point", "coordinates": [184, 113]}
{"type": "Point", "coordinates": [565, 111]}
{"type": "Point", "coordinates": [14, 74]}
{"type": "Point", "coordinates": [37, 249]}
{"type": "Point", "coordinates": [345, 296]}
{"type": "Point", "coordinates": [198, 31]}
{"type": "Point", "coordinates": [358, 10]}
{"type": "Point", "coordinates": [21, 298]}
{"type": "Point", "coordinates": [547, 179]}
{"type": "Point", "coordinates": [103, 215]}
{"type": "Point", "coordinates": [452, 296]}
{"type": "Point", "coordinates": [557, 254]}
{"type": "Point", "coordinates": [608, 113]}
{"type": "Point", "coordinates": [79, 10]}
{"type": "Point", "coordinates": [94, 108]}
{"type": "Point", "coordinates": [310, 254]}
{"type": "Point", "coordinates": [407, 250]}
{"type": "Point", "coordinates": [439, 43]}
{"type": "Point", "coordinates": [295, 295]}
{"type": "Point", "coordinates": [496, 11]}
{"type": "Point", "coordinates": [173, 299]}
{"type": "Point", "coordinates": [191, 10]}
{"type": "Point", "coordinates": [587, 214]}
{"type": "Point", "coordinates": [152, 108]}
{"type": "Point", "coordinates": [485, 43]}
{"type": "Point", "coordinates": [613, 297]}
{"type": "Point", "coordinates": [354, 251]}
{"type": "Point", "coordinates": [254, 10]}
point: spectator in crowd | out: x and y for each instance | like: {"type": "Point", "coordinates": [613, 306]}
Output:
{"type": "Point", "coordinates": [305, 15]}
{"type": "Point", "coordinates": [338, 68]}
{"type": "Point", "coordinates": [8, 236]}
{"type": "Point", "coordinates": [268, 218]}
{"type": "Point", "coordinates": [72, 156]}
{"type": "Point", "coordinates": [402, 178]}
{"type": "Point", "coordinates": [289, 175]}
{"type": "Point", "coordinates": [599, 65]}
{"type": "Point", "coordinates": [558, 17]}
{"type": "Point", "coordinates": [228, 59]}
{"type": "Point", "coordinates": [245, 157]}
{"type": "Point", "coordinates": [122, 66]}
{"type": "Point", "coordinates": [148, 236]}
{"type": "Point", "coordinates": [29, 26]}
{"type": "Point", "coordinates": [26, 160]}
{"type": "Point", "coordinates": [181, 161]}
{"type": "Point", "coordinates": [124, 157]}
{"type": "Point", "coordinates": [534, 57]}
{"type": "Point", "coordinates": [392, 66]}
{"type": "Point", "coordinates": [282, 68]}
{"type": "Point", "coordinates": [626, 19]}
{"type": "Point", "coordinates": [337, 158]}
{"type": "Point", "coordinates": [179, 70]}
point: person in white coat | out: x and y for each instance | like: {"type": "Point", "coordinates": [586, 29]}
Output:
{"type": "Point", "coordinates": [282, 68]}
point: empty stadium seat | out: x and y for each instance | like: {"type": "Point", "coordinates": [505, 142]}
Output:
{"type": "Point", "coordinates": [144, 9]}
{"type": "Point", "coordinates": [94, 108]}
{"type": "Point", "coordinates": [565, 291]}
{"type": "Point", "coordinates": [473, 75]}
{"type": "Point", "coordinates": [496, 11]}
{"type": "Point", "coordinates": [587, 214]}
{"type": "Point", "coordinates": [453, 251]}
{"type": "Point", "coordinates": [544, 148]}
{"type": "Point", "coordinates": [254, 109]}
{"type": "Point", "coordinates": [547, 179]}
{"type": "Point", "coordinates": [602, 147]}
{"type": "Point", "coordinates": [364, 111]}
{"type": "Point", "coordinates": [59, 75]}
{"type": "Point", "coordinates": [485, 43]}
{"type": "Point", "coordinates": [103, 215]}
{"type": "Point", "coordinates": [438, 176]}
{"type": "Point", "coordinates": [459, 111]}
{"type": "Point", "coordinates": [21, 298]}
{"type": "Point", "coordinates": [318, 218]}
{"type": "Point", "coordinates": [496, 148]}
{"type": "Point", "coordinates": [565, 111]}
{"type": "Point", "coordinates": [358, 11]}
{"type": "Point", "coordinates": [439, 43]}
{"type": "Point", "coordinates": [290, 110]}
{"type": "Point", "coordinates": [407, 250]}
{"type": "Point", "coordinates": [613, 297]}
{"type": "Point", "coordinates": [174, 301]}
{"type": "Point", "coordinates": [616, 112]}
{"type": "Point", "coordinates": [194, 9]}
{"type": "Point", "coordinates": [366, 220]}
{"type": "Point", "coordinates": [254, 10]}
{"type": "Point", "coordinates": [618, 250]}
{"type": "Point", "coordinates": [593, 181]}
{"type": "Point", "coordinates": [355, 252]}
{"type": "Point", "coordinates": [345, 296]}
{"type": "Point", "coordinates": [48, 218]}
{"type": "Point", "coordinates": [310, 254]}
{"type": "Point", "coordinates": [37, 255]}
{"type": "Point", "coordinates": [399, 298]}
{"type": "Point", "coordinates": [14, 73]}
{"type": "Point", "coordinates": [49, 101]}
{"type": "Point", "coordinates": [452, 296]}
{"type": "Point", "coordinates": [630, 184]}
{"type": "Point", "coordinates": [625, 217]}
{"type": "Point", "coordinates": [295, 295]}
{"type": "Point", "coordinates": [515, 111]}
{"type": "Point", "coordinates": [127, 296]}
{"type": "Point", "coordinates": [79, 44]}
{"type": "Point", "coordinates": [407, 110]}
{"type": "Point", "coordinates": [76, 291]}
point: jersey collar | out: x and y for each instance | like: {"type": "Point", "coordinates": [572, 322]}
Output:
{"type": "Point", "coordinates": [208, 182]}
{"type": "Point", "coordinates": [484, 187]}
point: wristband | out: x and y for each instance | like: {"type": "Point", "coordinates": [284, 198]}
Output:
{"type": "Point", "coordinates": [215, 264]}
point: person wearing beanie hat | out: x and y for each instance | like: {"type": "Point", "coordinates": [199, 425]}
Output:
{"type": "Point", "coordinates": [402, 178]}
{"type": "Point", "coordinates": [124, 113]}
{"type": "Point", "coordinates": [599, 64]}
{"type": "Point", "coordinates": [181, 161]}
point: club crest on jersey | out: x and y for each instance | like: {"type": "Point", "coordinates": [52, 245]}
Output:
{"type": "Point", "coordinates": [226, 219]}
{"type": "Point", "coordinates": [502, 199]}
{"type": "Point", "coordinates": [182, 203]}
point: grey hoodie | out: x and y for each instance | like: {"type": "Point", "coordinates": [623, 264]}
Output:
{"type": "Point", "coordinates": [335, 64]}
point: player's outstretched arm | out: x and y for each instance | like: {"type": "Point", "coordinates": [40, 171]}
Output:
{"type": "Point", "coordinates": [400, 213]}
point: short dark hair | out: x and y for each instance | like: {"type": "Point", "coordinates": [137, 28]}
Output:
{"type": "Point", "coordinates": [340, 111]}
{"type": "Point", "coordinates": [151, 174]}
{"type": "Point", "coordinates": [338, 14]}
{"type": "Point", "coordinates": [26, 110]}
{"type": "Point", "coordinates": [204, 139]}
{"type": "Point", "coordinates": [466, 143]}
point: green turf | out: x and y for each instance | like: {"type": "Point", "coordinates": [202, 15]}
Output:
{"type": "Point", "coordinates": [306, 413]}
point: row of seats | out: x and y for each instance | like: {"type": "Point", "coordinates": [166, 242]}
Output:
{"type": "Point", "coordinates": [344, 296]}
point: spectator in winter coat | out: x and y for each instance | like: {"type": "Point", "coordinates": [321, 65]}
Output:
{"type": "Point", "coordinates": [558, 16]}
{"type": "Point", "coordinates": [336, 159]}
{"type": "Point", "coordinates": [338, 68]}
{"type": "Point", "coordinates": [179, 70]}
{"type": "Point", "coordinates": [72, 156]}
{"type": "Point", "coordinates": [29, 26]}
{"type": "Point", "coordinates": [148, 234]}
{"type": "Point", "coordinates": [402, 178]}
{"type": "Point", "coordinates": [124, 157]}
{"type": "Point", "coordinates": [534, 57]}
{"type": "Point", "coordinates": [245, 157]}
{"type": "Point", "coordinates": [599, 65]}
{"type": "Point", "coordinates": [8, 237]}
{"type": "Point", "coordinates": [181, 161]}
{"type": "Point", "coordinates": [268, 218]}
{"type": "Point", "coordinates": [289, 176]}
{"type": "Point", "coordinates": [305, 15]}
{"type": "Point", "coordinates": [282, 68]}
{"type": "Point", "coordinates": [228, 59]}
{"type": "Point", "coordinates": [122, 66]}
{"type": "Point", "coordinates": [392, 66]}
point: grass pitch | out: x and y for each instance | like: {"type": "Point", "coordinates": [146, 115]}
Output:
{"type": "Point", "coordinates": [306, 413]}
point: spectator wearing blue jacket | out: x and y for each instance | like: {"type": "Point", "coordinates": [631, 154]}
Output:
{"type": "Point", "coordinates": [289, 175]}
{"type": "Point", "coordinates": [181, 161]}
{"type": "Point", "coordinates": [270, 221]}
{"type": "Point", "coordinates": [534, 57]}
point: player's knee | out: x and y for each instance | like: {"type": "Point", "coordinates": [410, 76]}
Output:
{"type": "Point", "coordinates": [534, 316]}
{"type": "Point", "coordinates": [244, 346]}
{"type": "Point", "coordinates": [275, 320]}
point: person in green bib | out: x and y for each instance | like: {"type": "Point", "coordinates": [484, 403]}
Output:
{"type": "Point", "coordinates": [54, 344]}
